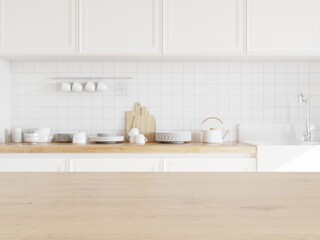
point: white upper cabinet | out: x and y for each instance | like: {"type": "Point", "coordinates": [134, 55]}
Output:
{"type": "Point", "coordinates": [120, 26]}
{"type": "Point", "coordinates": [204, 26]}
{"type": "Point", "coordinates": [284, 27]}
{"type": "Point", "coordinates": [38, 26]}
{"type": "Point", "coordinates": [153, 27]}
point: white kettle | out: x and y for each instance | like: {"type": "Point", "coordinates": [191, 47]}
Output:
{"type": "Point", "coordinates": [213, 135]}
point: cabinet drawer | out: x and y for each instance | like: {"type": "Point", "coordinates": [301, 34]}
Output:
{"type": "Point", "coordinates": [116, 164]}
{"type": "Point", "coordinates": [25, 164]}
{"type": "Point", "coordinates": [210, 165]}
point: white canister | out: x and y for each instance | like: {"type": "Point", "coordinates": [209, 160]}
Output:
{"type": "Point", "coordinates": [16, 135]}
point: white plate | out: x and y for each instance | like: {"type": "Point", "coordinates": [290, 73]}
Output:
{"type": "Point", "coordinates": [112, 139]}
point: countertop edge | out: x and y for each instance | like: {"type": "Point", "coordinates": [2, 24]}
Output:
{"type": "Point", "coordinates": [149, 148]}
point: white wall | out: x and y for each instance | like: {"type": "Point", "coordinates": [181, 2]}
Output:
{"type": "Point", "coordinates": [5, 98]}
{"type": "Point", "coordinates": [179, 94]}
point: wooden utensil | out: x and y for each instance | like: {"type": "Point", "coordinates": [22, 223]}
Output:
{"type": "Point", "coordinates": [140, 118]}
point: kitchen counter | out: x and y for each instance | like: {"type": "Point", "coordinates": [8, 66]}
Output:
{"type": "Point", "coordinates": [227, 148]}
{"type": "Point", "coordinates": [159, 206]}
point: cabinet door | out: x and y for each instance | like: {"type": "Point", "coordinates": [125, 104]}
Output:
{"type": "Point", "coordinates": [25, 164]}
{"type": "Point", "coordinates": [284, 26]}
{"type": "Point", "coordinates": [116, 165]}
{"type": "Point", "coordinates": [38, 26]}
{"type": "Point", "coordinates": [289, 158]}
{"type": "Point", "coordinates": [210, 165]}
{"type": "Point", "coordinates": [203, 26]}
{"type": "Point", "coordinates": [120, 26]}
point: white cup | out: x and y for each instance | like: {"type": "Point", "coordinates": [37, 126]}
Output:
{"type": "Point", "coordinates": [90, 87]}
{"type": "Point", "coordinates": [102, 87]}
{"type": "Point", "coordinates": [77, 87]}
{"type": "Point", "coordinates": [66, 87]}
{"type": "Point", "coordinates": [16, 136]}
{"type": "Point", "coordinates": [132, 134]}
{"type": "Point", "coordinates": [141, 139]}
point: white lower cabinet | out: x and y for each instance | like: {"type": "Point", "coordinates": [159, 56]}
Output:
{"type": "Point", "coordinates": [25, 164]}
{"type": "Point", "coordinates": [210, 165]}
{"type": "Point", "coordinates": [126, 164]}
{"type": "Point", "coordinates": [115, 164]}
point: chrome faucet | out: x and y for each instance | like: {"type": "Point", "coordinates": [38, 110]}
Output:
{"type": "Point", "coordinates": [307, 133]}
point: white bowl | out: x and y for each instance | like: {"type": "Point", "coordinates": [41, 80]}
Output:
{"type": "Point", "coordinates": [30, 138]}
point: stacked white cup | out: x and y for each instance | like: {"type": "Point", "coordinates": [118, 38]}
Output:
{"type": "Point", "coordinates": [16, 135]}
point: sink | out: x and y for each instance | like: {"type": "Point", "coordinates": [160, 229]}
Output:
{"type": "Point", "coordinates": [278, 148]}
{"type": "Point", "coordinates": [309, 143]}
{"type": "Point", "coordinates": [281, 143]}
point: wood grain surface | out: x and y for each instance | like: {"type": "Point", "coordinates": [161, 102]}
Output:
{"type": "Point", "coordinates": [160, 206]}
{"type": "Point", "coordinates": [141, 119]}
{"type": "Point", "coordinates": [232, 148]}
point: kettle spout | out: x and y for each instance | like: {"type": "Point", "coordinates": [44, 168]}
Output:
{"type": "Point", "coordinates": [225, 134]}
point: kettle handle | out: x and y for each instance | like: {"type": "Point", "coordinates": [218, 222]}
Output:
{"type": "Point", "coordinates": [212, 118]}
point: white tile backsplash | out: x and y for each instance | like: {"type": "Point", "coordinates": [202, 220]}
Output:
{"type": "Point", "coordinates": [179, 94]}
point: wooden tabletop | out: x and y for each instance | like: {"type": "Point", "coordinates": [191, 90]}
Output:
{"type": "Point", "coordinates": [232, 148]}
{"type": "Point", "coordinates": [154, 206]}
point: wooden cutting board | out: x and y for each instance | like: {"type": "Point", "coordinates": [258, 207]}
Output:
{"type": "Point", "coordinates": [141, 119]}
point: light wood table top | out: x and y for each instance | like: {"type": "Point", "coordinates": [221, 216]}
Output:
{"type": "Point", "coordinates": [152, 206]}
{"type": "Point", "coordinates": [227, 148]}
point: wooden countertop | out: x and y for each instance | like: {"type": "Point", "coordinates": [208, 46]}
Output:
{"type": "Point", "coordinates": [159, 206]}
{"type": "Point", "coordinates": [227, 148]}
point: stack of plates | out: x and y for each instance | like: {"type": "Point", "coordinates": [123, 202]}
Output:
{"type": "Point", "coordinates": [173, 137]}
{"type": "Point", "coordinates": [63, 138]}
{"type": "Point", "coordinates": [105, 138]}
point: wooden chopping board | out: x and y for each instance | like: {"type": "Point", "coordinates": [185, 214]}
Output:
{"type": "Point", "coordinates": [141, 119]}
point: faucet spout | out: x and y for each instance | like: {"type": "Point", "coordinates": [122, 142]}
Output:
{"type": "Point", "coordinates": [307, 133]}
